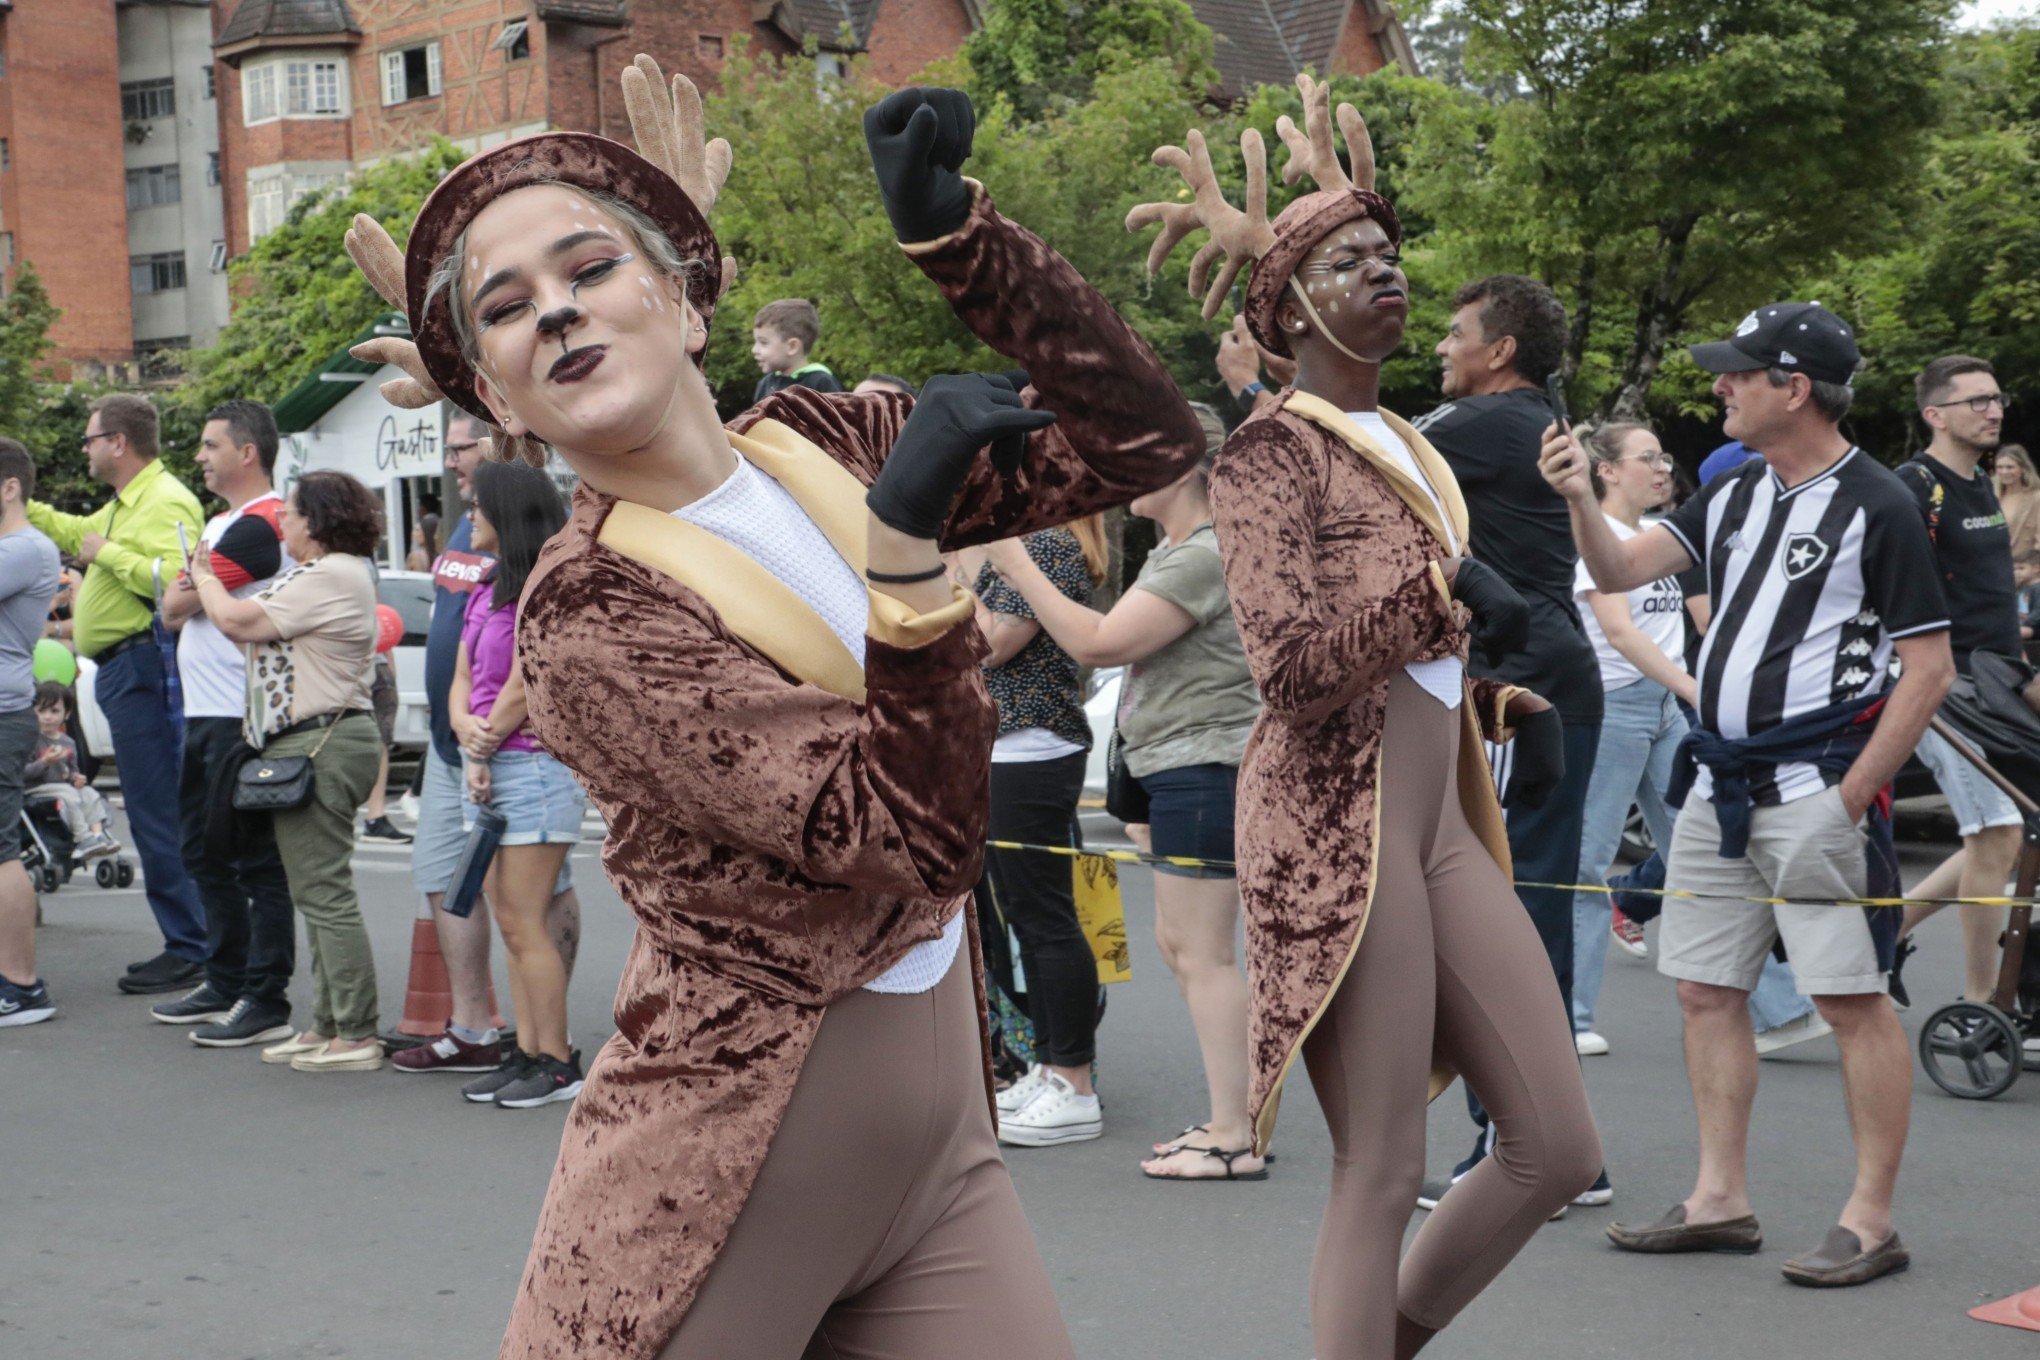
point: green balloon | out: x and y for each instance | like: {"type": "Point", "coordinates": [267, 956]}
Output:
{"type": "Point", "coordinates": [53, 661]}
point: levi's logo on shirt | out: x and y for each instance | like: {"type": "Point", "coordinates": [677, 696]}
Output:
{"type": "Point", "coordinates": [459, 572]}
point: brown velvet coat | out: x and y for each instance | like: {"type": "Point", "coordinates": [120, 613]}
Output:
{"type": "Point", "coordinates": [780, 844]}
{"type": "Point", "coordinates": [1331, 555]}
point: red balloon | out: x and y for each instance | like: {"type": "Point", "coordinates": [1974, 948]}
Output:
{"type": "Point", "coordinates": [389, 628]}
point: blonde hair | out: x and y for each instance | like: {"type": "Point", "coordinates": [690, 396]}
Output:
{"type": "Point", "coordinates": [1090, 535]}
{"type": "Point", "coordinates": [1603, 445]}
{"type": "Point", "coordinates": [2029, 479]}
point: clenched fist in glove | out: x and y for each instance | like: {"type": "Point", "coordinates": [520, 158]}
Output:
{"type": "Point", "coordinates": [1501, 621]}
{"type": "Point", "coordinates": [1536, 756]}
{"type": "Point", "coordinates": [919, 139]}
{"type": "Point", "coordinates": [957, 415]}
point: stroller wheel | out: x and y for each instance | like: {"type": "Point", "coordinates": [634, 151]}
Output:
{"type": "Point", "coordinates": [1971, 1050]}
{"type": "Point", "coordinates": [124, 874]}
{"type": "Point", "coordinates": [103, 872]}
{"type": "Point", "coordinates": [49, 879]}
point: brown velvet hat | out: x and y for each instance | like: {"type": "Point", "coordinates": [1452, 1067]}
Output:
{"type": "Point", "coordinates": [1247, 237]}
{"type": "Point", "coordinates": [578, 159]}
{"type": "Point", "coordinates": [673, 177]}
{"type": "Point", "coordinates": [1297, 230]}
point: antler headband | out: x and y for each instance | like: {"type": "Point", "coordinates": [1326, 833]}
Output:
{"type": "Point", "coordinates": [1275, 249]}
{"type": "Point", "coordinates": [679, 177]}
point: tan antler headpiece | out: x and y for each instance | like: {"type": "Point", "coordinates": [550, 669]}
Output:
{"type": "Point", "coordinates": [1275, 249]}
{"type": "Point", "coordinates": [674, 178]}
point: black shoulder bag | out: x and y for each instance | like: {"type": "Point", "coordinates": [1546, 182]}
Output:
{"type": "Point", "coordinates": [279, 783]}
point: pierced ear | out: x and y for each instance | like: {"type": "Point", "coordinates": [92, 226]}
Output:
{"type": "Point", "coordinates": [506, 420]}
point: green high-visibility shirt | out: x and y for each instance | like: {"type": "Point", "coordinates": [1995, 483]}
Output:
{"type": "Point", "coordinates": [139, 525]}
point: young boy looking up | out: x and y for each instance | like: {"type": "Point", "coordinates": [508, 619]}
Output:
{"type": "Point", "coordinates": [783, 336]}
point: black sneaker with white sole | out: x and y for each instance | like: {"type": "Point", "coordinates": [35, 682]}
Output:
{"type": "Point", "coordinates": [164, 973]}
{"type": "Point", "coordinates": [244, 1025]}
{"type": "Point", "coordinates": [482, 1090]}
{"type": "Point", "coordinates": [544, 1080]}
{"type": "Point", "coordinates": [202, 1005]}
{"type": "Point", "coordinates": [19, 1005]}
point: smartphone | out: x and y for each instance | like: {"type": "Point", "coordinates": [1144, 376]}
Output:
{"type": "Point", "coordinates": [1554, 390]}
{"type": "Point", "coordinates": [184, 543]}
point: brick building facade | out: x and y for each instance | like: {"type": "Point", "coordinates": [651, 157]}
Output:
{"type": "Point", "coordinates": [62, 201]}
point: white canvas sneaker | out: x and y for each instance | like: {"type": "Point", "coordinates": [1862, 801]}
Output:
{"type": "Point", "coordinates": [1021, 1091]}
{"type": "Point", "coordinates": [1056, 1114]}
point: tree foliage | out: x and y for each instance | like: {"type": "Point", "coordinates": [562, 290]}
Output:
{"type": "Point", "coordinates": [26, 316]}
{"type": "Point", "coordinates": [1045, 54]}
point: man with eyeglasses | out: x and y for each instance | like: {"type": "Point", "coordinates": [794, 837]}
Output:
{"type": "Point", "coordinates": [1964, 410]}
{"type": "Point", "coordinates": [129, 548]}
{"type": "Point", "coordinates": [469, 1043]}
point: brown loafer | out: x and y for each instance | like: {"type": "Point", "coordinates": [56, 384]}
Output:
{"type": "Point", "coordinates": [1673, 1233]}
{"type": "Point", "coordinates": [1840, 1261]}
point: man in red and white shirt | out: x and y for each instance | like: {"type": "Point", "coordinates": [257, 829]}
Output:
{"type": "Point", "coordinates": [251, 936]}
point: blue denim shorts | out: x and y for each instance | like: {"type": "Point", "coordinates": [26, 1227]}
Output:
{"type": "Point", "coordinates": [1190, 814]}
{"type": "Point", "coordinates": [539, 797]}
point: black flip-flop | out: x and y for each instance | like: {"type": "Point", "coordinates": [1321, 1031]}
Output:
{"type": "Point", "coordinates": [1164, 1149]}
{"type": "Point", "coordinates": [1228, 1156]}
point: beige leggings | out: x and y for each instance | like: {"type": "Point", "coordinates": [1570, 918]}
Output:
{"type": "Point", "coordinates": [1449, 959]}
{"type": "Point", "coordinates": [883, 1225]}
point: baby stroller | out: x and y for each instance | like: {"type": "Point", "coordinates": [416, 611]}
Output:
{"type": "Point", "coordinates": [46, 849]}
{"type": "Point", "coordinates": [1975, 1049]}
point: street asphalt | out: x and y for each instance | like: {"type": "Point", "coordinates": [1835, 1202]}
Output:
{"type": "Point", "coordinates": [160, 1200]}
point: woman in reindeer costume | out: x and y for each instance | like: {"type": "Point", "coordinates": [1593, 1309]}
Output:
{"type": "Point", "coordinates": [1384, 942]}
{"type": "Point", "coordinates": [774, 697]}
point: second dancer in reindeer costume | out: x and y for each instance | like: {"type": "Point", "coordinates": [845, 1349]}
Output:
{"type": "Point", "coordinates": [1384, 942]}
{"type": "Point", "coordinates": [787, 1148]}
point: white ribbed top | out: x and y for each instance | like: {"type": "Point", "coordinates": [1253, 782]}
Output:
{"type": "Point", "coordinates": [761, 519]}
{"type": "Point", "coordinates": [1445, 678]}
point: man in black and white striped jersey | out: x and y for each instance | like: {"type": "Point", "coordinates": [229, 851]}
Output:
{"type": "Point", "coordinates": [1821, 572]}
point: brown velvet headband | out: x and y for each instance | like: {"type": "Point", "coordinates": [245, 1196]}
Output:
{"type": "Point", "coordinates": [580, 159]}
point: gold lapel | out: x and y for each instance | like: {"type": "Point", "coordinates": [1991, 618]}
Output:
{"type": "Point", "coordinates": [1321, 412]}
{"type": "Point", "coordinates": [756, 605]}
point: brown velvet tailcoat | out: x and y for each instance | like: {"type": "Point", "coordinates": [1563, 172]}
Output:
{"type": "Point", "coordinates": [781, 844]}
{"type": "Point", "coordinates": [1331, 555]}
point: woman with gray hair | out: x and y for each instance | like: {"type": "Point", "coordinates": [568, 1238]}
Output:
{"type": "Point", "coordinates": [1186, 709]}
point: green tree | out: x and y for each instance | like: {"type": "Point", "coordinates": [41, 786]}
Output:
{"type": "Point", "coordinates": [1672, 164]}
{"type": "Point", "coordinates": [26, 316]}
{"type": "Point", "coordinates": [1040, 54]}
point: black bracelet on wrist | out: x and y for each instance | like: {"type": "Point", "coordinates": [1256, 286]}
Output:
{"type": "Point", "coordinates": [887, 578]}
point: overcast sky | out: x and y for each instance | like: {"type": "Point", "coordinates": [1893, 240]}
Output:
{"type": "Point", "coordinates": [1988, 11]}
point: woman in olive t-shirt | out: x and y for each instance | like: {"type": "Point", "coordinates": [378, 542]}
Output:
{"type": "Point", "coordinates": [1184, 717]}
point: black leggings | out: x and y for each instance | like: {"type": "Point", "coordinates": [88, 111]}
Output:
{"type": "Point", "coordinates": [1035, 802]}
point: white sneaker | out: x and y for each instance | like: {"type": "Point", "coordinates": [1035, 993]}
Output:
{"type": "Point", "coordinates": [1798, 1031]}
{"type": "Point", "coordinates": [1021, 1091]}
{"type": "Point", "coordinates": [1056, 1114]}
{"type": "Point", "coordinates": [1589, 1044]}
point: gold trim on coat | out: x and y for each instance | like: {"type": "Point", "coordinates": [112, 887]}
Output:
{"type": "Point", "coordinates": [756, 605]}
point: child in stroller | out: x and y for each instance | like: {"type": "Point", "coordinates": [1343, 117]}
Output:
{"type": "Point", "coordinates": [67, 810]}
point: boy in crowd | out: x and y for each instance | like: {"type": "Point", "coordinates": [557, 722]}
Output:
{"type": "Point", "coordinates": [783, 336]}
{"type": "Point", "coordinates": [52, 772]}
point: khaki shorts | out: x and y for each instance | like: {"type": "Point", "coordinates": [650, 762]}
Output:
{"type": "Point", "coordinates": [1805, 848]}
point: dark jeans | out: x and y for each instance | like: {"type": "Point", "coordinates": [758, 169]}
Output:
{"type": "Point", "coordinates": [1545, 844]}
{"type": "Point", "coordinates": [148, 746]}
{"type": "Point", "coordinates": [1035, 802]}
{"type": "Point", "coordinates": [250, 929]}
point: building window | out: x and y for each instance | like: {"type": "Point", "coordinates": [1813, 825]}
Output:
{"type": "Point", "coordinates": [141, 99]}
{"type": "Point", "coordinates": [212, 168]}
{"type": "Point", "coordinates": [410, 74]}
{"type": "Point", "coordinates": [709, 46]}
{"type": "Point", "coordinates": [514, 42]}
{"type": "Point", "coordinates": [152, 186]}
{"type": "Point", "coordinates": [258, 93]}
{"type": "Point", "coordinates": [271, 198]}
{"type": "Point", "coordinates": [5, 161]}
{"type": "Point", "coordinates": [218, 263]}
{"type": "Point", "coordinates": [161, 358]}
{"type": "Point", "coordinates": [159, 273]}
{"type": "Point", "coordinates": [211, 79]}
{"type": "Point", "coordinates": [6, 250]}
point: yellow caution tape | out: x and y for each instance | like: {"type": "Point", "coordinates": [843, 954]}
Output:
{"type": "Point", "coordinates": [1187, 862]}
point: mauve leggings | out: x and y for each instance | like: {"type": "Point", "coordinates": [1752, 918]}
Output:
{"type": "Point", "coordinates": [883, 1225]}
{"type": "Point", "coordinates": [1448, 959]}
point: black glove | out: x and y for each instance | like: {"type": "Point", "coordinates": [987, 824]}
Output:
{"type": "Point", "coordinates": [1536, 760]}
{"type": "Point", "coordinates": [956, 415]}
{"type": "Point", "coordinates": [1007, 452]}
{"type": "Point", "coordinates": [1501, 621]}
{"type": "Point", "coordinates": [919, 139]}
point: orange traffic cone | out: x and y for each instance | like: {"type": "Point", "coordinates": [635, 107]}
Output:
{"type": "Point", "coordinates": [428, 996]}
{"type": "Point", "coordinates": [2020, 1310]}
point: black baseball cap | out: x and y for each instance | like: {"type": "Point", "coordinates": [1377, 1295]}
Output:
{"type": "Point", "coordinates": [1799, 337]}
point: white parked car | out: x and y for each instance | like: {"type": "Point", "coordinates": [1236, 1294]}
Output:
{"type": "Point", "coordinates": [1099, 708]}
{"type": "Point", "coordinates": [407, 592]}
